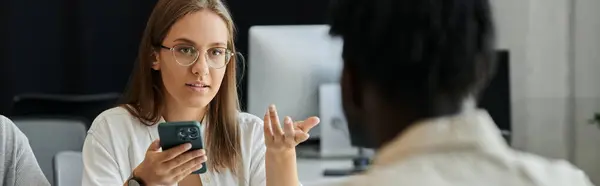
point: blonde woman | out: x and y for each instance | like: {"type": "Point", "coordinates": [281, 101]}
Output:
{"type": "Point", "coordinates": [186, 70]}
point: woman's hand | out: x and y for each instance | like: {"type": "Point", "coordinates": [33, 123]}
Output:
{"type": "Point", "coordinates": [293, 133]}
{"type": "Point", "coordinates": [280, 158]}
{"type": "Point", "coordinates": [170, 166]}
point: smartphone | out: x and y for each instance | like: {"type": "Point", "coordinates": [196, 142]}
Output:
{"type": "Point", "coordinates": [173, 134]}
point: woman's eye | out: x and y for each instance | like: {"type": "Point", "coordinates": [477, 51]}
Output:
{"type": "Point", "coordinates": [187, 51]}
{"type": "Point", "coordinates": [217, 51]}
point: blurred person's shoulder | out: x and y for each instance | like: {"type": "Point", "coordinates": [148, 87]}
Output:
{"type": "Point", "coordinates": [10, 134]}
{"type": "Point", "coordinates": [19, 166]}
{"type": "Point", "coordinates": [6, 125]}
{"type": "Point", "coordinates": [7, 134]}
{"type": "Point", "coordinates": [470, 170]}
{"type": "Point", "coordinates": [550, 171]}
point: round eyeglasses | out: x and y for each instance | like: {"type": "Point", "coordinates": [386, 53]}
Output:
{"type": "Point", "coordinates": [186, 55]}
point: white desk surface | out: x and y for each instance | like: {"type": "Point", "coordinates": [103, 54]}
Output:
{"type": "Point", "coordinates": [311, 170]}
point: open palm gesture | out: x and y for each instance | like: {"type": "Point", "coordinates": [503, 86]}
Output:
{"type": "Point", "coordinates": [292, 134]}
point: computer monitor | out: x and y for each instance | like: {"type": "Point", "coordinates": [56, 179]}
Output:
{"type": "Point", "coordinates": [495, 98]}
{"type": "Point", "coordinates": [286, 66]}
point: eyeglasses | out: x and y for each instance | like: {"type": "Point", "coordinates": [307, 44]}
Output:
{"type": "Point", "coordinates": [186, 55]}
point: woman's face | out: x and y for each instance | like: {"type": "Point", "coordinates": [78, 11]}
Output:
{"type": "Point", "coordinates": [196, 84]}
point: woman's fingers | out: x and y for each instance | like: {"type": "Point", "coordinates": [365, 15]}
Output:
{"type": "Point", "coordinates": [288, 127]}
{"type": "Point", "coordinates": [154, 146]}
{"type": "Point", "coordinates": [290, 133]}
{"type": "Point", "coordinates": [308, 124]}
{"type": "Point", "coordinates": [187, 169]}
{"type": "Point", "coordinates": [184, 159]}
{"type": "Point", "coordinates": [301, 137]}
{"type": "Point", "coordinates": [189, 166]}
{"type": "Point", "coordinates": [267, 126]}
{"type": "Point", "coordinates": [175, 151]}
{"type": "Point", "coordinates": [275, 127]}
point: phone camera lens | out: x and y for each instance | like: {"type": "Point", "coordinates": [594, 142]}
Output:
{"type": "Point", "coordinates": [192, 130]}
{"type": "Point", "coordinates": [182, 134]}
{"type": "Point", "coordinates": [194, 135]}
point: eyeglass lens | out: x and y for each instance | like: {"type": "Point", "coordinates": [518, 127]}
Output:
{"type": "Point", "coordinates": [216, 57]}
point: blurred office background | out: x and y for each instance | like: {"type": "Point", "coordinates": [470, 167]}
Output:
{"type": "Point", "coordinates": [81, 50]}
{"type": "Point", "coordinates": [88, 47]}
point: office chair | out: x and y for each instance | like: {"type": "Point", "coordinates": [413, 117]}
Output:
{"type": "Point", "coordinates": [49, 136]}
{"type": "Point", "coordinates": [48, 105]}
{"type": "Point", "coordinates": [68, 168]}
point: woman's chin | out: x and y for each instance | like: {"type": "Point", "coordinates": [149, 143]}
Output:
{"type": "Point", "coordinates": [197, 102]}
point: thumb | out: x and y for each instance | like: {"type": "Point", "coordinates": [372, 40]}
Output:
{"type": "Point", "coordinates": [308, 124]}
{"type": "Point", "coordinates": [154, 146]}
{"type": "Point", "coordinates": [301, 137]}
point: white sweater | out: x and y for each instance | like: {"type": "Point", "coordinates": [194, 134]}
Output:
{"type": "Point", "coordinates": [117, 142]}
{"type": "Point", "coordinates": [462, 150]}
{"type": "Point", "coordinates": [18, 165]}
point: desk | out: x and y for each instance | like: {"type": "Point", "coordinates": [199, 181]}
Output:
{"type": "Point", "coordinates": [311, 170]}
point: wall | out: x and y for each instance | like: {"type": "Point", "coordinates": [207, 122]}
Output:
{"type": "Point", "coordinates": [81, 45]}
{"type": "Point", "coordinates": [548, 78]}
{"type": "Point", "coordinates": [586, 53]}
{"type": "Point", "coordinates": [511, 26]}
{"type": "Point", "coordinates": [537, 34]}
{"type": "Point", "coordinates": [5, 81]}
{"type": "Point", "coordinates": [68, 46]}
{"type": "Point", "coordinates": [555, 48]}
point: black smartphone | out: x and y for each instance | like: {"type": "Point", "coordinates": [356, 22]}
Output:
{"type": "Point", "coordinates": [173, 134]}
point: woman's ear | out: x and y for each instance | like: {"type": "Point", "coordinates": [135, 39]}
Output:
{"type": "Point", "coordinates": [156, 62]}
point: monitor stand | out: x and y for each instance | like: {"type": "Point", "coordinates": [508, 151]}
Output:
{"type": "Point", "coordinates": [360, 165]}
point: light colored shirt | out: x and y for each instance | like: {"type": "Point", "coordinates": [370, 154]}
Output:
{"type": "Point", "coordinates": [18, 164]}
{"type": "Point", "coordinates": [117, 142]}
{"type": "Point", "coordinates": [463, 150]}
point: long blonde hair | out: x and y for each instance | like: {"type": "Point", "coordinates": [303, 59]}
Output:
{"type": "Point", "coordinates": [144, 98]}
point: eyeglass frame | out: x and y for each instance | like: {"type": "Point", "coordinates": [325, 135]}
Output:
{"type": "Point", "coordinates": [228, 52]}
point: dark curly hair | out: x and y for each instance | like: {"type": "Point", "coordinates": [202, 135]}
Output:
{"type": "Point", "coordinates": [425, 49]}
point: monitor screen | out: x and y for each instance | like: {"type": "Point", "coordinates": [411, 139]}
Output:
{"type": "Point", "coordinates": [496, 97]}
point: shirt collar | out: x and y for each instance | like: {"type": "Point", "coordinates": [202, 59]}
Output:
{"type": "Point", "coordinates": [470, 129]}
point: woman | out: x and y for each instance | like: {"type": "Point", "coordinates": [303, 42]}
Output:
{"type": "Point", "coordinates": [185, 72]}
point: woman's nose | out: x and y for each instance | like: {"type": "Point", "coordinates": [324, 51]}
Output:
{"type": "Point", "coordinates": [201, 66]}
